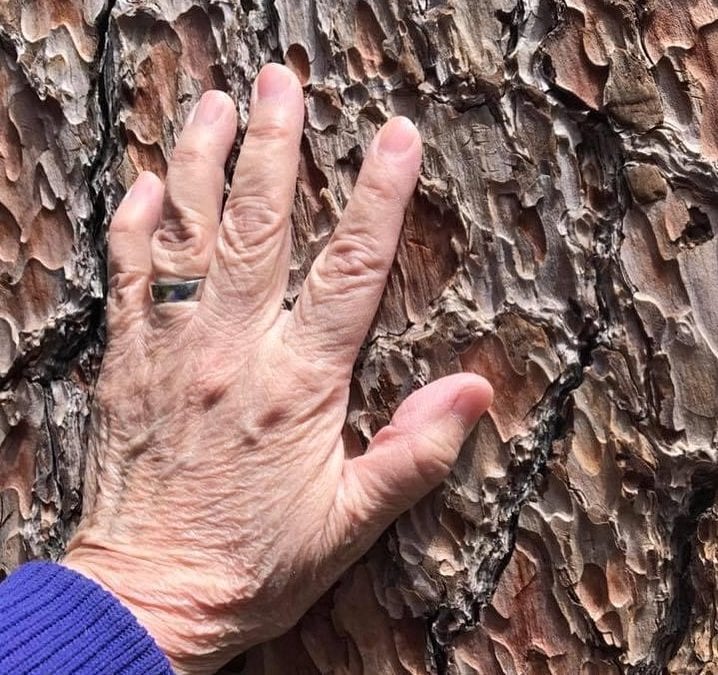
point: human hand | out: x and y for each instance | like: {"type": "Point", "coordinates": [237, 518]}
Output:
{"type": "Point", "coordinates": [219, 503]}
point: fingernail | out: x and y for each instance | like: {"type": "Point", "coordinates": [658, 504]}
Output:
{"type": "Point", "coordinates": [273, 81]}
{"type": "Point", "coordinates": [397, 136]}
{"type": "Point", "coordinates": [211, 107]}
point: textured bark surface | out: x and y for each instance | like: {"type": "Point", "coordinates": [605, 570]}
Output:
{"type": "Point", "coordinates": [562, 243]}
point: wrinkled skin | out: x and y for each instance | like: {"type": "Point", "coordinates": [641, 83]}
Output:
{"type": "Point", "coordinates": [219, 503]}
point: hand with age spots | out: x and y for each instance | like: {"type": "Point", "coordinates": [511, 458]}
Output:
{"type": "Point", "coordinates": [219, 503]}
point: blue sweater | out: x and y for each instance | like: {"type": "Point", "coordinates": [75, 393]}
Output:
{"type": "Point", "coordinates": [54, 621]}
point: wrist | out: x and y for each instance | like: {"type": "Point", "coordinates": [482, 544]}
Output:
{"type": "Point", "coordinates": [153, 594]}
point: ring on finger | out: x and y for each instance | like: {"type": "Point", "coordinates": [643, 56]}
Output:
{"type": "Point", "coordinates": [177, 291]}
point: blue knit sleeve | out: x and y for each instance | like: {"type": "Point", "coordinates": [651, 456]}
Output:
{"type": "Point", "coordinates": [54, 621]}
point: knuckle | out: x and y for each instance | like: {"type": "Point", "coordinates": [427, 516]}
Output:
{"type": "Point", "coordinates": [354, 258]}
{"type": "Point", "coordinates": [432, 457]}
{"type": "Point", "coordinates": [177, 242]}
{"type": "Point", "coordinates": [308, 367]}
{"type": "Point", "coordinates": [377, 188]}
{"type": "Point", "coordinates": [182, 228]}
{"type": "Point", "coordinates": [186, 154]}
{"type": "Point", "coordinates": [269, 130]}
{"type": "Point", "coordinates": [250, 221]}
{"type": "Point", "coordinates": [122, 283]}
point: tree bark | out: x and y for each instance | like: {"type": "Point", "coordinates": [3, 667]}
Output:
{"type": "Point", "coordinates": [561, 243]}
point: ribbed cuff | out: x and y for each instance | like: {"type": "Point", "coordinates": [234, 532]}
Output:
{"type": "Point", "coordinates": [55, 621]}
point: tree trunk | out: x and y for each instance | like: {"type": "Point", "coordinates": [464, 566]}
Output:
{"type": "Point", "coordinates": [561, 242]}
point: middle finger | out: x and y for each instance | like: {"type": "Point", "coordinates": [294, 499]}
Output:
{"type": "Point", "coordinates": [251, 260]}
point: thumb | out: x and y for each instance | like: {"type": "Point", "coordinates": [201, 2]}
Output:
{"type": "Point", "coordinates": [413, 453]}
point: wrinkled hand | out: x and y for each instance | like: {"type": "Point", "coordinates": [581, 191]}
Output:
{"type": "Point", "coordinates": [219, 503]}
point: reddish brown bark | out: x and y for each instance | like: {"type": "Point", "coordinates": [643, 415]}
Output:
{"type": "Point", "coordinates": [561, 242]}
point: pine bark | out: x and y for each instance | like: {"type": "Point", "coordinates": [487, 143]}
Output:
{"type": "Point", "coordinates": [561, 242]}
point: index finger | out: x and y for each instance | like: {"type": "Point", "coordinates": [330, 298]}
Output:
{"type": "Point", "coordinates": [342, 291]}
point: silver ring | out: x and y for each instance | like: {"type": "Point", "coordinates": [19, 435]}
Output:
{"type": "Point", "coordinates": [176, 291]}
